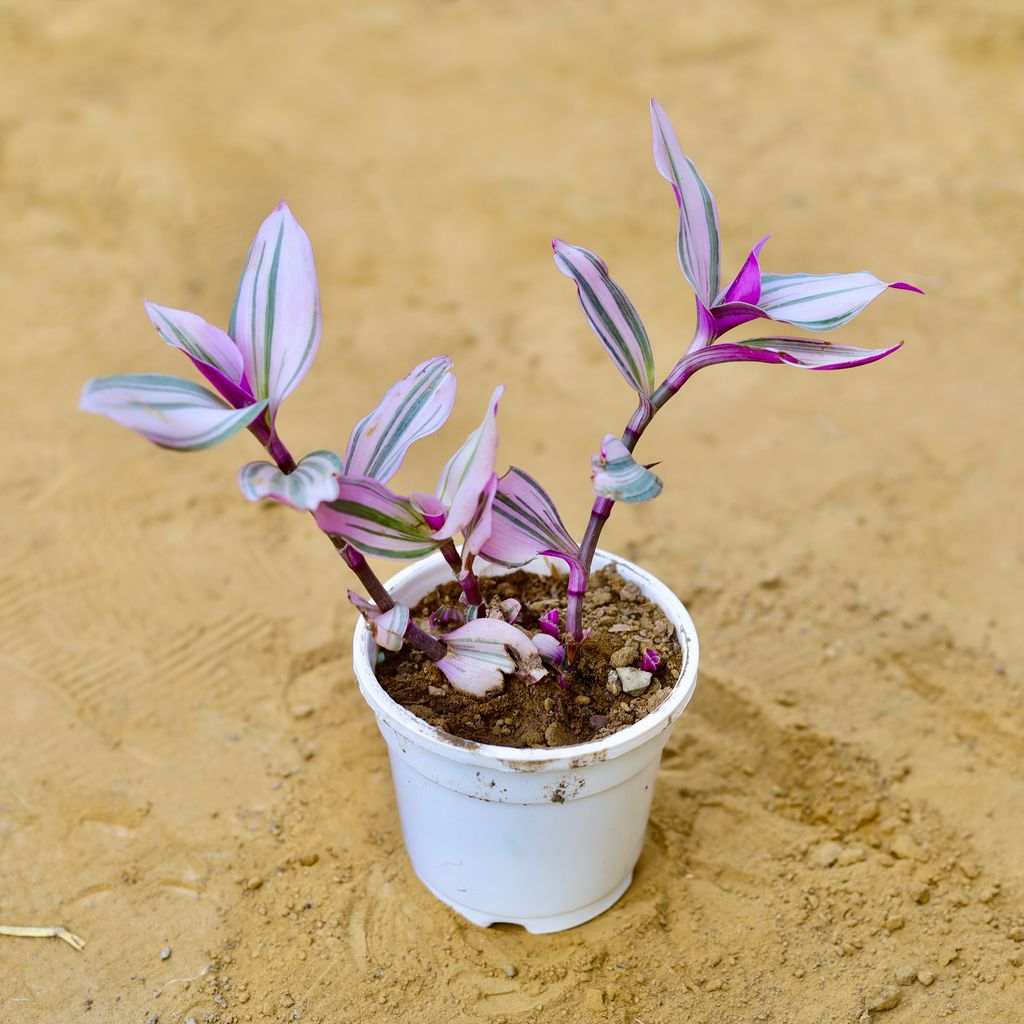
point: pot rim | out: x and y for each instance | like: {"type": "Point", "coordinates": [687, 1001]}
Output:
{"type": "Point", "coordinates": [577, 755]}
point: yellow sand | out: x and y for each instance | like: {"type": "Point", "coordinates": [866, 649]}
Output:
{"type": "Point", "coordinates": [185, 762]}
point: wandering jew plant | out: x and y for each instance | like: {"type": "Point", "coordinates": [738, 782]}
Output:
{"type": "Point", "coordinates": [272, 337]}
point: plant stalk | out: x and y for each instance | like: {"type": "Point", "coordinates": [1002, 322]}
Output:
{"type": "Point", "coordinates": [432, 647]}
{"type": "Point", "coordinates": [466, 577]}
{"type": "Point", "coordinates": [602, 507]}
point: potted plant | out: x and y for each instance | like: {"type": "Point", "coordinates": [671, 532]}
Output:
{"type": "Point", "coordinates": [525, 682]}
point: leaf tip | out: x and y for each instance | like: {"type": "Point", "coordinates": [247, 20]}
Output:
{"type": "Point", "coordinates": [903, 286]}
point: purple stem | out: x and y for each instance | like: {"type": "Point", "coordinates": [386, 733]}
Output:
{"type": "Point", "coordinates": [599, 513]}
{"type": "Point", "coordinates": [602, 507]}
{"type": "Point", "coordinates": [432, 647]}
{"type": "Point", "coordinates": [466, 577]}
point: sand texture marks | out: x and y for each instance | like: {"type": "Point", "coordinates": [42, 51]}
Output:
{"type": "Point", "coordinates": [185, 764]}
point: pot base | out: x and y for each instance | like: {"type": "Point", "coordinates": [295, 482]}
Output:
{"type": "Point", "coordinates": [539, 925]}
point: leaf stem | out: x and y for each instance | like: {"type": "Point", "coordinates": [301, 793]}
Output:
{"type": "Point", "coordinates": [432, 647]}
{"type": "Point", "coordinates": [602, 507]}
{"type": "Point", "coordinates": [466, 577]}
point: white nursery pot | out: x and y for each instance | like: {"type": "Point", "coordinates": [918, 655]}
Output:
{"type": "Point", "coordinates": [543, 838]}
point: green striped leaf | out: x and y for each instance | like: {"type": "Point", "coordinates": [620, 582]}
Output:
{"type": "Point", "coordinates": [376, 521]}
{"type": "Point", "coordinates": [820, 302]}
{"type": "Point", "coordinates": [816, 355]}
{"type": "Point", "coordinates": [467, 473]}
{"type": "Point", "coordinates": [617, 475]}
{"type": "Point", "coordinates": [168, 411]}
{"type": "Point", "coordinates": [414, 408]}
{"type": "Point", "coordinates": [525, 523]}
{"type": "Point", "coordinates": [697, 239]}
{"type": "Point", "coordinates": [612, 316]}
{"type": "Point", "coordinates": [313, 481]}
{"type": "Point", "coordinates": [194, 336]}
{"type": "Point", "coordinates": [276, 319]}
{"type": "Point", "coordinates": [387, 628]}
{"type": "Point", "coordinates": [482, 652]}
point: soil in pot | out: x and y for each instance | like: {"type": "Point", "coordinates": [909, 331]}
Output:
{"type": "Point", "coordinates": [623, 623]}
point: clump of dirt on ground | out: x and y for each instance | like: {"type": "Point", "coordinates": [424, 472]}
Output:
{"type": "Point", "coordinates": [622, 623]}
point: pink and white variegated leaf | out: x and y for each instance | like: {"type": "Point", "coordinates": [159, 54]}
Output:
{"type": "Point", "coordinates": [478, 530]}
{"type": "Point", "coordinates": [548, 623]}
{"type": "Point", "coordinates": [412, 409]}
{"type": "Point", "coordinates": [612, 316]}
{"type": "Point", "coordinates": [737, 304]}
{"type": "Point", "coordinates": [650, 661]}
{"type": "Point", "coordinates": [820, 302]}
{"type": "Point", "coordinates": [549, 648]}
{"type": "Point", "coordinates": [482, 652]}
{"type": "Point", "coordinates": [698, 239]}
{"type": "Point", "coordinates": [799, 352]}
{"type": "Point", "coordinates": [746, 285]}
{"type": "Point", "coordinates": [276, 320]}
{"type": "Point", "coordinates": [617, 475]}
{"type": "Point", "coordinates": [313, 481]}
{"type": "Point", "coordinates": [387, 628]}
{"type": "Point", "coordinates": [432, 510]}
{"type": "Point", "coordinates": [466, 476]}
{"type": "Point", "coordinates": [510, 610]}
{"type": "Point", "coordinates": [168, 411]}
{"type": "Point", "coordinates": [374, 520]}
{"type": "Point", "coordinates": [818, 355]}
{"type": "Point", "coordinates": [203, 342]}
{"type": "Point", "coordinates": [526, 524]}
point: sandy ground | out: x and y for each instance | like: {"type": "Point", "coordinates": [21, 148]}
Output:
{"type": "Point", "coordinates": [842, 801]}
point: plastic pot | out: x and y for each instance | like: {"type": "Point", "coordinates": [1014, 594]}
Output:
{"type": "Point", "coordinates": [547, 838]}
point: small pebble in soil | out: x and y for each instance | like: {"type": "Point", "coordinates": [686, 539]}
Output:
{"type": "Point", "coordinates": [633, 680]}
{"type": "Point", "coordinates": [926, 977]}
{"type": "Point", "coordinates": [556, 735]}
{"type": "Point", "coordinates": [511, 970]}
{"type": "Point", "coordinates": [627, 654]}
{"type": "Point", "coordinates": [165, 953]}
{"type": "Point", "coordinates": [614, 686]}
{"type": "Point", "coordinates": [254, 883]}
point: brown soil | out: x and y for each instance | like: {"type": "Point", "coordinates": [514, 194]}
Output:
{"type": "Point", "coordinates": [623, 624]}
{"type": "Point", "coordinates": [185, 760]}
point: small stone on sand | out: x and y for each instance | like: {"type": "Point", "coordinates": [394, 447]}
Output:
{"type": "Point", "coordinates": [883, 999]}
{"type": "Point", "coordinates": [827, 854]}
{"type": "Point", "coordinates": [906, 974]}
